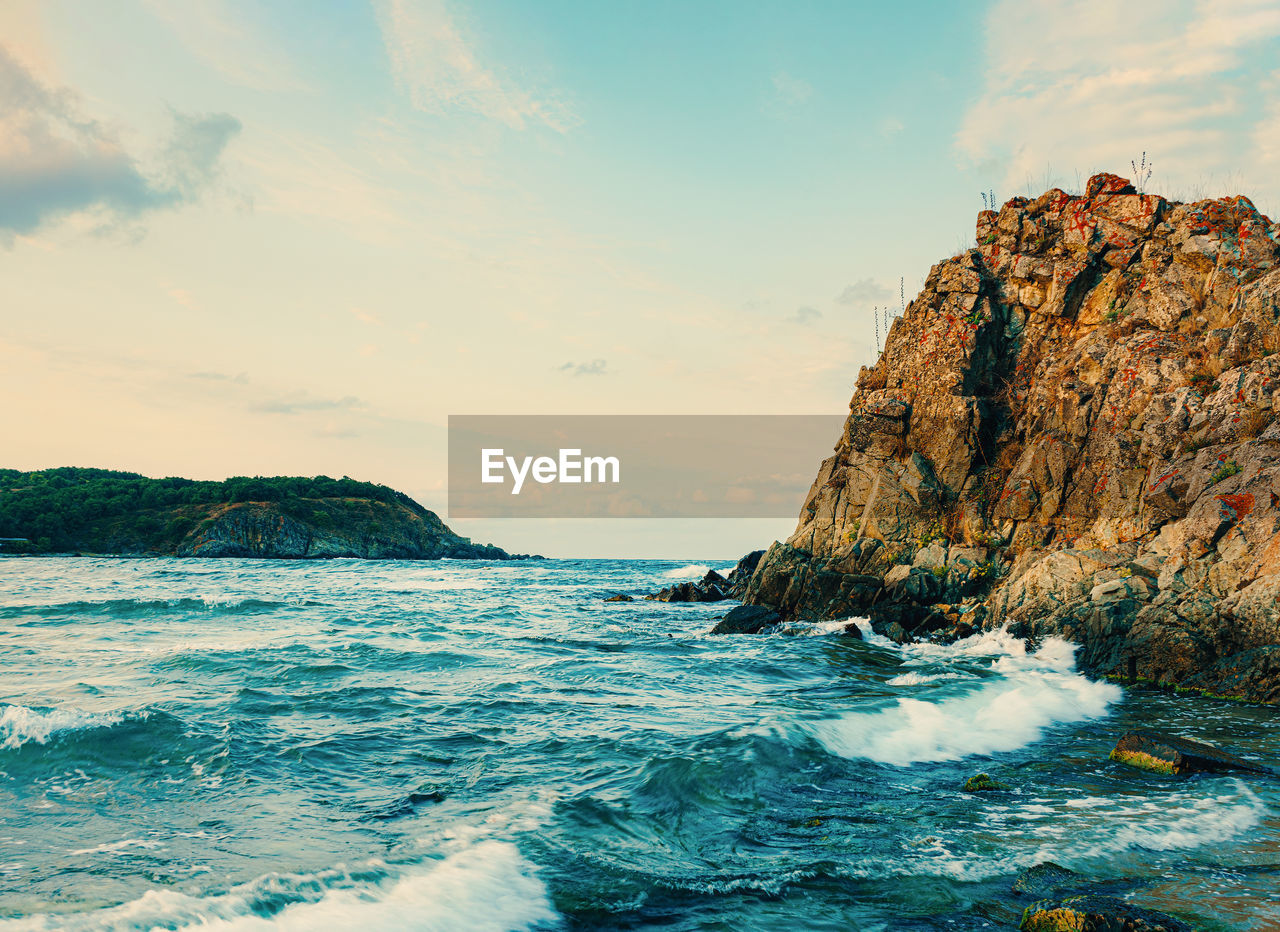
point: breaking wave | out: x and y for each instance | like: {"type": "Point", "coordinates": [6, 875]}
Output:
{"type": "Point", "coordinates": [1033, 692]}
{"type": "Point", "coordinates": [486, 887]}
{"type": "Point", "coordinates": [690, 571]}
{"type": "Point", "coordinates": [20, 725]}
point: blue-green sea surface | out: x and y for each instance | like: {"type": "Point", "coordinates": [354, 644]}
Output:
{"type": "Point", "coordinates": [238, 744]}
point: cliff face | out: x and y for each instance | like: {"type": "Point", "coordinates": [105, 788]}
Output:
{"type": "Point", "coordinates": [1070, 430]}
{"type": "Point", "coordinates": [320, 528]}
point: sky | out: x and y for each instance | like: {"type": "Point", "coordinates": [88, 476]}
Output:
{"type": "Point", "coordinates": [292, 238]}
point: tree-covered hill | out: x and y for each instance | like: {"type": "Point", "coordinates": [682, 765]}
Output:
{"type": "Point", "coordinates": [72, 509]}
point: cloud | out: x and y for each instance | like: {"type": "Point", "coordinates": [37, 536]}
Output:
{"type": "Point", "coordinates": [441, 73]}
{"type": "Point", "coordinates": [184, 297]}
{"type": "Point", "coordinates": [890, 127]}
{"type": "Point", "coordinates": [191, 158]}
{"type": "Point", "coordinates": [805, 315]}
{"type": "Point", "coordinates": [306, 405]}
{"type": "Point", "coordinates": [219, 36]}
{"type": "Point", "coordinates": [594, 367]}
{"type": "Point", "coordinates": [863, 291]}
{"type": "Point", "coordinates": [55, 161]}
{"type": "Point", "coordinates": [1065, 88]}
{"type": "Point", "coordinates": [239, 378]}
{"type": "Point", "coordinates": [789, 90]}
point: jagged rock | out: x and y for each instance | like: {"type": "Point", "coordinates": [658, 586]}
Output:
{"type": "Point", "coordinates": [740, 575]}
{"type": "Point", "coordinates": [1046, 879]}
{"type": "Point", "coordinates": [620, 597]}
{"type": "Point", "coordinates": [1161, 753]}
{"type": "Point", "coordinates": [746, 619]}
{"type": "Point", "coordinates": [689, 592]}
{"type": "Point", "coordinates": [1089, 913]}
{"type": "Point", "coordinates": [713, 587]}
{"type": "Point", "coordinates": [1091, 393]}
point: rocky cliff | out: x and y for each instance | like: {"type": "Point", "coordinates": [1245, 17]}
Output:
{"type": "Point", "coordinates": [1071, 430]}
{"type": "Point", "coordinates": [321, 528]}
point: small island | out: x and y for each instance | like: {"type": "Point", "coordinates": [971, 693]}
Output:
{"type": "Point", "coordinates": [103, 511]}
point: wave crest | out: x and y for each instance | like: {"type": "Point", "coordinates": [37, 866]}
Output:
{"type": "Point", "coordinates": [688, 571]}
{"type": "Point", "coordinates": [1033, 692]}
{"type": "Point", "coordinates": [20, 724]}
{"type": "Point", "coordinates": [486, 887]}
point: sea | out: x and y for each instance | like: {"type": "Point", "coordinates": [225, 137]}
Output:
{"type": "Point", "coordinates": [346, 744]}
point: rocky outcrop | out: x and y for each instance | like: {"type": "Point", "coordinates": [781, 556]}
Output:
{"type": "Point", "coordinates": [746, 619]}
{"type": "Point", "coordinates": [1090, 913]}
{"type": "Point", "coordinates": [712, 587]}
{"type": "Point", "coordinates": [1171, 754]}
{"type": "Point", "coordinates": [1071, 430]}
{"type": "Point", "coordinates": [321, 528]}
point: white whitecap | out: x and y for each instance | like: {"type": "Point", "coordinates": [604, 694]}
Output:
{"type": "Point", "coordinates": [869, 634]}
{"type": "Point", "coordinates": [823, 628]}
{"type": "Point", "coordinates": [113, 846]}
{"type": "Point", "coordinates": [1179, 822]}
{"type": "Point", "coordinates": [1009, 711]}
{"type": "Point", "coordinates": [485, 887]}
{"type": "Point", "coordinates": [690, 571]}
{"type": "Point", "coordinates": [19, 724]}
{"type": "Point", "coordinates": [913, 678]}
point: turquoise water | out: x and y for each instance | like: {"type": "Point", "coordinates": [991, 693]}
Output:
{"type": "Point", "coordinates": [348, 744]}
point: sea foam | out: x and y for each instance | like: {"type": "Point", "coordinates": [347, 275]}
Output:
{"type": "Point", "coordinates": [20, 724]}
{"type": "Point", "coordinates": [485, 887]}
{"type": "Point", "coordinates": [1033, 691]}
{"type": "Point", "coordinates": [689, 571]}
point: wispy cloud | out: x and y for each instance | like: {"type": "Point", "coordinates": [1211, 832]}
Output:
{"type": "Point", "coordinates": [789, 90]}
{"type": "Point", "coordinates": [239, 378]}
{"type": "Point", "coordinates": [863, 291]}
{"type": "Point", "coordinates": [56, 161]}
{"type": "Point", "coordinates": [306, 405]}
{"type": "Point", "coordinates": [805, 315]}
{"type": "Point", "coordinates": [220, 38]}
{"type": "Point", "coordinates": [890, 127]}
{"type": "Point", "coordinates": [441, 72]}
{"type": "Point", "coordinates": [1065, 88]}
{"type": "Point", "coordinates": [594, 367]}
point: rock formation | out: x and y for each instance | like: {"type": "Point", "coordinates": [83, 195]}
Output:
{"type": "Point", "coordinates": [713, 587]}
{"type": "Point", "coordinates": [1172, 754]}
{"type": "Point", "coordinates": [325, 528]}
{"type": "Point", "coordinates": [1071, 430]}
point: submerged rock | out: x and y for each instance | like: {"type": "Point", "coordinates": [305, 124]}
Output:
{"type": "Point", "coordinates": [746, 619]}
{"type": "Point", "coordinates": [620, 597]}
{"type": "Point", "coordinates": [1046, 879]}
{"type": "Point", "coordinates": [1089, 913]}
{"type": "Point", "coordinates": [1169, 754]}
{"type": "Point", "coordinates": [982, 783]}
